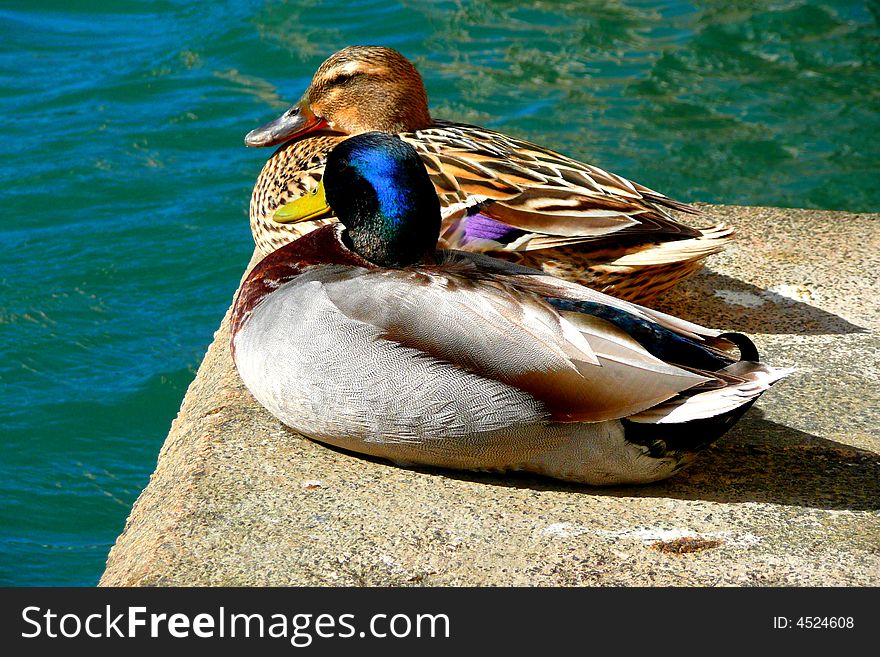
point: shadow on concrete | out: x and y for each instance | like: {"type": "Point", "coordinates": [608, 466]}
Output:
{"type": "Point", "coordinates": [763, 461]}
{"type": "Point", "coordinates": [758, 461]}
{"type": "Point", "coordinates": [720, 301]}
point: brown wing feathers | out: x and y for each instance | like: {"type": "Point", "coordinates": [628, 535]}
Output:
{"type": "Point", "coordinates": [540, 191]}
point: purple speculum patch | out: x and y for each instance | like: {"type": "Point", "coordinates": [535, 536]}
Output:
{"type": "Point", "coordinates": [480, 227]}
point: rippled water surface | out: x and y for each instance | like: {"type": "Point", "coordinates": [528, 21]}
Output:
{"type": "Point", "coordinates": [124, 182]}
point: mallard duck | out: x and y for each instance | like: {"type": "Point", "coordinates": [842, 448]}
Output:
{"type": "Point", "coordinates": [363, 335]}
{"type": "Point", "coordinates": [499, 195]}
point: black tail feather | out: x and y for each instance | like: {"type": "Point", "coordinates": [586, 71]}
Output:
{"type": "Point", "coordinates": [747, 348]}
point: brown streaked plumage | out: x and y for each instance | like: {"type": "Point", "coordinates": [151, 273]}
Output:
{"type": "Point", "coordinates": [568, 218]}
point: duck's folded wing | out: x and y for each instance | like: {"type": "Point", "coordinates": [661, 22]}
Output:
{"type": "Point", "coordinates": [743, 383]}
{"type": "Point", "coordinates": [538, 190]}
{"type": "Point", "coordinates": [583, 370]}
{"type": "Point", "coordinates": [537, 282]}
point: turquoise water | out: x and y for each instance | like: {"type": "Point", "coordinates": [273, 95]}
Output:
{"type": "Point", "coordinates": [124, 182]}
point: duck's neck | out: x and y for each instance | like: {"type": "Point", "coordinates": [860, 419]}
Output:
{"type": "Point", "coordinates": [292, 172]}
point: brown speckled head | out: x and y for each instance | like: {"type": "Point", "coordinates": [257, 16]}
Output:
{"type": "Point", "coordinates": [365, 88]}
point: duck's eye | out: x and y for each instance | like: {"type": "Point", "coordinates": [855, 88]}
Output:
{"type": "Point", "coordinates": [341, 78]}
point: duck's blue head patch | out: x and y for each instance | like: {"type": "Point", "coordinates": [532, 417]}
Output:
{"type": "Point", "coordinates": [379, 189]}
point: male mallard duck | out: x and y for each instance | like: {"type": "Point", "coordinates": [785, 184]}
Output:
{"type": "Point", "coordinates": [499, 195]}
{"type": "Point", "coordinates": [362, 335]}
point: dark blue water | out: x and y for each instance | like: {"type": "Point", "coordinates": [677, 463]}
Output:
{"type": "Point", "coordinates": [124, 182]}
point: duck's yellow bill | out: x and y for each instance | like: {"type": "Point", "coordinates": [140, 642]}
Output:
{"type": "Point", "coordinates": [306, 208]}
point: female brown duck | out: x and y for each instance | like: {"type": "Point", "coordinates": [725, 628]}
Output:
{"type": "Point", "coordinates": [499, 195]}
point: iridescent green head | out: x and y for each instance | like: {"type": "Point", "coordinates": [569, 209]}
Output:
{"type": "Point", "coordinates": [379, 189]}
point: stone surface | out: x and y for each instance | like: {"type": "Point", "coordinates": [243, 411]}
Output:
{"type": "Point", "coordinates": [789, 497]}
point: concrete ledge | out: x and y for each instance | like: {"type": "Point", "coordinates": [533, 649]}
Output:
{"type": "Point", "coordinates": [789, 497]}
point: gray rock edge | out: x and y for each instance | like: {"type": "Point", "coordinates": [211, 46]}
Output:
{"type": "Point", "coordinates": [790, 497]}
